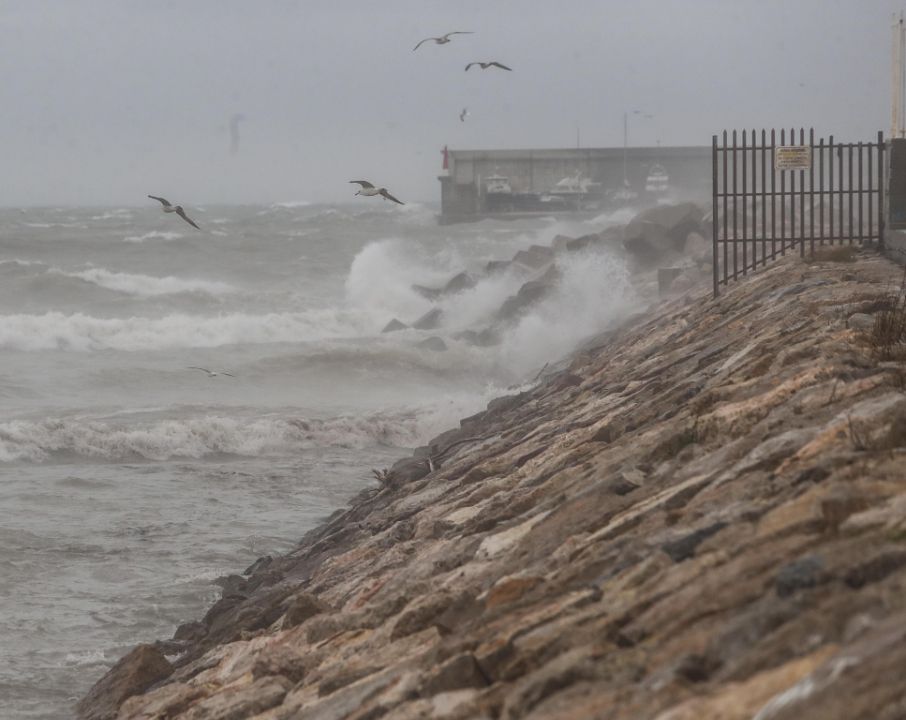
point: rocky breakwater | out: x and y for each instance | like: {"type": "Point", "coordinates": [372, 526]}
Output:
{"type": "Point", "coordinates": [703, 517]}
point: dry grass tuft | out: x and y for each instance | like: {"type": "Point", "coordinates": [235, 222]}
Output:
{"type": "Point", "coordinates": [887, 338]}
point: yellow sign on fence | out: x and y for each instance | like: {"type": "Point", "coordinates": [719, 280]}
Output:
{"type": "Point", "coordinates": [792, 157]}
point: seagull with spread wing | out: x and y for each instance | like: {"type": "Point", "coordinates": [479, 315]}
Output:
{"type": "Point", "coordinates": [464, 114]}
{"type": "Point", "coordinates": [168, 208]}
{"type": "Point", "coordinates": [369, 190]}
{"type": "Point", "coordinates": [443, 39]}
{"type": "Point", "coordinates": [486, 65]}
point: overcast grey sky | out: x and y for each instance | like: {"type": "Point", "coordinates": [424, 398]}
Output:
{"type": "Point", "coordinates": [104, 101]}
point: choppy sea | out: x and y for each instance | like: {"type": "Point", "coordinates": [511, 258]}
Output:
{"type": "Point", "coordinates": [129, 482]}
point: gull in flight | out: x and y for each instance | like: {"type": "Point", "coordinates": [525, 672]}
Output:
{"type": "Point", "coordinates": [168, 208]}
{"type": "Point", "coordinates": [211, 373]}
{"type": "Point", "coordinates": [486, 65]}
{"type": "Point", "coordinates": [369, 190]}
{"type": "Point", "coordinates": [443, 39]}
{"type": "Point", "coordinates": [464, 114]}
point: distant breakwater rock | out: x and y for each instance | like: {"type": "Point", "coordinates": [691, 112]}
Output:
{"type": "Point", "coordinates": [702, 517]}
{"type": "Point", "coordinates": [666, 234]}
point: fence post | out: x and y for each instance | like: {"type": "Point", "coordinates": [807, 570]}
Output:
{"type": "Point", "coordinates": [714, 210]}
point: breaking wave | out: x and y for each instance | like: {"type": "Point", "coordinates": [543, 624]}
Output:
{"type": "Point", "coordinates": [153, 235]}
{"type": "Point", "coordinates": [146, 285]}
{"type": "Point", "coordinates": [198, 437]}
{"type": "Point", "coordinates": [80, 332]}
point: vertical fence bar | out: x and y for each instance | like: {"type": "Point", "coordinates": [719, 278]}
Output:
{"type": "Point", "coordinates": [745, 249]}
{"type": "Point", "coordinates": [714, 211]}
{"type": "Point", "coordinates": [802, 200]}
{"type": "Point", "coordinates": [792, 195]}
{"type": "Point", "coordinates": [773, 198]}
{"type": "Point", "coordinates": [782, 199]}
{"type": "Point", "coordinates": [880, 189]}
{"type": "Point", "coordinates": [830, 187]}
{"type": "Point", "coordinates": [871, 192]}
{"type": "Point", "coordinates": [735, 199]}
{"type": "Point", "coordinates": [840, 190]}
{"type": "Point", "coordinates": [764, 198]}
{"type": "Point", "coordinates": [726, 212]}
{"type": "Point", "coordinates": [850, 188]}
{"type": "Point", "coordinates": [754, 202]}
{"type": "Point", "coordinates": [821, 189]}
{"type": "Point", "coordinates": [861, 196]}
{"type": "Point", "coordinates": [811, 190]}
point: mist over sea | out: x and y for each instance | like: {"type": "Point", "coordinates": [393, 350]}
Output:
{"type": "Point", "coordinates": [130, 482]}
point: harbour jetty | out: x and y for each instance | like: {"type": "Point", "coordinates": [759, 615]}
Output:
{"type": "Point", "coordinates": [700, 514]}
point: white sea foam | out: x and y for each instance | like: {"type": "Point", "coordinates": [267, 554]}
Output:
{"type": "Point", "coordinates": [117, 214]}
{"type": "Point", "coordinates": [80, 332]}
{"type": "Point", "coordinates": [153, 235]}
{"type": "Point", "coordinates": [289, 204]}
{"type": "Point", "coordinates": [197, 437]}
{"type": "Point", "coordinates": [594, 290]}
{"type": "Point", "coordinates": [89, 657]}
{"type": "Point", "coordinates": [146, 285]}
{"type": "Point", "coordinates": [381, 278]}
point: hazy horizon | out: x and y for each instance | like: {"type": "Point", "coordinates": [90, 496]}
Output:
{"type": "Point", "coordinates": [108, 101]}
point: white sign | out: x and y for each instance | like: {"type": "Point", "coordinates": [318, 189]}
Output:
{"type": "Point", "coordinates": [792, 157]}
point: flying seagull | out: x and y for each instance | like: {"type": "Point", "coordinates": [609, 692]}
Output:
{"type": "Point", "coordinates": [168, 208]}
{"type": "Point", "coordinates": [443, 39]}
{"type": "Point", "coordinates": [486, 65]}
{"type": "Point", "coordinates": [211, 373]}
{"type": "Point", "coordinates": [369, 190]}
{"type": "Point", "coordinates": [464, 114]}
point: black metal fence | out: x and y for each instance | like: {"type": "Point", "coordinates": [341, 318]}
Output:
{"type": "Point", "coordinates": [773, 194]}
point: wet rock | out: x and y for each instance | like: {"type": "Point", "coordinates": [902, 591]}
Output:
{"type": "Point", "coordinates": [807, 572]}
{"type": "Point", "coordinates": [429, 321]}
{"type": "Point", "coordinates": [496, 266]}
{"type": "Point", "coordinates": [860, 321]}
{"type": "Point", "coordinates": [433, 343]}
{"type": "Point", "coordinates": [408, 470]}
{"type": "Point", "coordinates": [428, 292]}
{"type": "Point", "coordinates": [236, 703]}
{"type": "Point", "coordinates": [458, 283]}
{"type": "Point", "coordinates": [259, 565]}
{"type": "Point", "coordinates": [459, 672]}
{"type": "Point", "coordinates": [393, 326]}
{"type": "Point", "coordinates": [133, 674]}
{"type": "Point", "coordinates": [535, 257]}
{"type": "Point", "coordinates": [876, 567]}
{"type": "Point", "coordinates": [661, 232]}
{"type": "Point", "coordinates": [301, 607]}
{"type": "Point", "coordinates": [684, 547]}
{"type": "Point", "coordinates": [530, 293]}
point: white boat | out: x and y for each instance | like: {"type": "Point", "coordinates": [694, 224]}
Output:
{"type": "Point", "coordinates": [624, 194]}
{"type": "Point", "coordinates": [658, 181]}
{"type": "Point", "coordinates": [497, 185]}
{"type": "Point", "coordinates": [576, 185]}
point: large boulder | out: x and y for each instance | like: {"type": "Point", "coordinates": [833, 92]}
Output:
{"type": "Point", "coordinates": [535, 257]}
{"type": "Point", "coordinates": [529, 294]}
{"type": "Point", "coordinates": [393, 326]}
{"type": "Point", "coordinates": [458, 283]}
{"type": "Point", "coordinates": [135, 673]}
{"type": "Point", "coordinates": [429, 320]}
{"type": "Point", "coordinates": [660, 232]}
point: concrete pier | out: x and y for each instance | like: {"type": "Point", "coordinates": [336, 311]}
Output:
{"type": "Point", "coordinates": [463, 183]}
